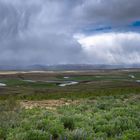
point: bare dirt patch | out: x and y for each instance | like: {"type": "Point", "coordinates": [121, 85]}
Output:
{"type": "Point", "coordinates": [48, 104]}
{"type": "Point", "coordinates": [135, 97]}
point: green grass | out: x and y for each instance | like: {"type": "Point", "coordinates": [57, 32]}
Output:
{"type": "Point", "coordinates": [99, 85]}
{"type": "Point", "coordinates": [22, 83]}
{"type": "Point", "coordinates": [78, 95]}
{"type": "Point", "coordinates": [96, 78]}
{"type": "Point", "coordinates": [136, 74]}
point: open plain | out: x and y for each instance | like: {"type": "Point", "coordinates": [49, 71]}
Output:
{"type": "Point", "coordinates": [91, 105]}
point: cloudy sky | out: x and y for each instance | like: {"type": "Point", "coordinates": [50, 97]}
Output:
{"type": "Point", "coordinates": [69, 32]}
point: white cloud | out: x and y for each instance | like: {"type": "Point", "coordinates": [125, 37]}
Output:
{"type": "Point", "coordinates": [112, 48]}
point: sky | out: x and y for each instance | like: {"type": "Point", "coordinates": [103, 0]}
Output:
{"type": "Point", "coordinates": [49, 32]}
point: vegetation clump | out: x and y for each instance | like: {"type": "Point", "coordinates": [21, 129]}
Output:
{"type": "Point", "coordinates": [68, 122]}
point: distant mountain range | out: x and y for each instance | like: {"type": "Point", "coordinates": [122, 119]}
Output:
{"type": "Point", "coordinates": [66, 67]}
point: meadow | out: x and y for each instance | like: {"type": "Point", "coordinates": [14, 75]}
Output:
{"type": "Point", "coordinates": [104, 105]}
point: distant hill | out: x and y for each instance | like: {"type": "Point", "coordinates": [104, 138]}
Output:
{"type": "Point", "coordinates": [67, 67]}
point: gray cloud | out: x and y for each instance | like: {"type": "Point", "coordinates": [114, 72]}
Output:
{"type": "Point", "coordinates": [41, 31]}
{"type": "Point", "coordinates": [109, 11]}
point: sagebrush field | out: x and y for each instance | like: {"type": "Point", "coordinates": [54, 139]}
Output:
{"type": "Point", "coordinates": [101, 105]}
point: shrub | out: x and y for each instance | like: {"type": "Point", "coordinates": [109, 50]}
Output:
{"type": "Point", "coordinates": [131, 135]}
{"type": "Point", "coordinates": [68, 122]}
{"type": "Point", "coordinates": [53, 127]}
{"type": "Point", "coordinates": [56, 129]}
{"type": "Point", "coordinates": [9, 116]}
{"type": "Point", "coordinates": [36, 135]}
{"type": "Point", "coordinates": [78, 134]}
{"type": "Point", "coordinates": [2, 134]}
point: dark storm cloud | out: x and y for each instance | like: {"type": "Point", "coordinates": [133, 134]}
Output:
{"type": "Point", "coordinates": [36, 33]}
{"type": "Point", "coordinates": [41, 31]}
{"type": "Point", "coordinates": [110, 11]}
